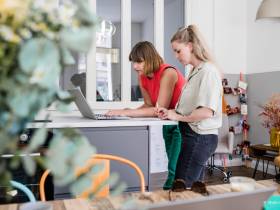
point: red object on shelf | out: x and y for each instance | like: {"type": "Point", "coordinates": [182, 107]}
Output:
{"type": "Point", "coordinates": [241, 76]}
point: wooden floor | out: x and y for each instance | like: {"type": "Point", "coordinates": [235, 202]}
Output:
{"type": "Point", "coordinates": [157, 180]}
{"type": "Point", "coordinates": [216, 177]}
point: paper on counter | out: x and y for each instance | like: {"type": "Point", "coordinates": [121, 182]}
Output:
{"type": "Point", "coordinates": [158, 158]}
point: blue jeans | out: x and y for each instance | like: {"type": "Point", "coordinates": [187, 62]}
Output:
{"type": "Point", "coordinates": [195, 151]}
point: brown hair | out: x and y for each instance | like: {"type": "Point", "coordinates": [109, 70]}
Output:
{"type": "Point", "coordinates": [145, 51]}
{"type": "Point", "coordinates": [192, 34]}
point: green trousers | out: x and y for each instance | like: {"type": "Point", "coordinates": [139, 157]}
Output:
{"type": "Point", "coordinates": [172, 139]}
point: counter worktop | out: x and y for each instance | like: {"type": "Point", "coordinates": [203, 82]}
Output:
{"type": "Point", "coordinates": [75, 120]}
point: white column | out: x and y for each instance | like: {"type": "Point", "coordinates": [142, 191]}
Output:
{"type": "Point", "coordinates": [159, 26]}
{"type": "Point", "coordinates": [126, 47]}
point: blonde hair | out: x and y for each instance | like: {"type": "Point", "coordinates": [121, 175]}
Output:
{"type": "Point", "coordinates": [193, 35]}
{"type": "Point", "coordinates": [145, 51]}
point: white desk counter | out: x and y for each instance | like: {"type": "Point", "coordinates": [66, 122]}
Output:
{"type": "Point", "coordinates": [75, 120]}
{"type": "Point", "coordinates": [138, 139]}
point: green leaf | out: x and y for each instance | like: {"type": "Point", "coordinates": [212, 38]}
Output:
{"type": "Point", "coordinates": [38, 139]}
{"type": "Point", "coordinates": [23, 100]}
{"type": "Point", "coordinates": [19, 102]}
{"type": "Point", "coordinates": [67, 58]}
{"type": "Point", "coordinates": [4, 141]}
{"type": "Point", "coordinates": [84, 14]}
{"type": "Point", "coordinates": [57, 156]}
{"type": "Point", "coordinates": [64, 95]}
{"type": "Point", "coordinates": [40, 57]}
{"type": "Point", "coordinates": [78, 39]}
{"type": "Point", "coordinates": [85, 151]}
{"type": "Point", "coordinates": [5, 177]}
{"type": "Point", "coordinates": [81, 184]}
{"type": "Point", "coordinates": [119, 189]}
{"type": "Point", "coordinates": [62, 107]}
{"type": "Point", "coordinates": [15, 162]}
{"type": "Point", "coordinates": [114, 177]}
{"type": "Point", "coordinates": [100, 187]}
{"type": "Point", "coordinates": [29, 165]}
{"type": "Point", "coordinates": [67, 179]}
{"type": "Point", "coordinates": [38, 53]}
{"type": "Point", "coordinates": [96, 168]}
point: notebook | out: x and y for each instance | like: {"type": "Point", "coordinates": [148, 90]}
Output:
{"type": "Point", "coordinates": [228, 201]}
{"type": "Point", "coordinates": [85, 109]}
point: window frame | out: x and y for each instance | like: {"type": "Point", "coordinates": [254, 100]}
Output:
{"type": "Point", "coordinates": [125, 49]}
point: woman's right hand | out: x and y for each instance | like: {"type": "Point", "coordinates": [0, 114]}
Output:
{"type": "Point", "coordinates": [162, 113]}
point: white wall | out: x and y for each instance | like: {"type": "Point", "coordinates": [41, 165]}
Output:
{"type": "Point", "coordinates": [223, 23]}
{"type": "Point", "coordinates": [202, 16]}
{"type": "Point", "coordinates": [230, 35]}
{"type": "Point", "coordinates": [263, 42]}
{"type": "Point", "coordinates": [239, 42]}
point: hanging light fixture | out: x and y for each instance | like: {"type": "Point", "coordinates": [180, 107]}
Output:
{"type": "Point", "coordinates": [269, 9]}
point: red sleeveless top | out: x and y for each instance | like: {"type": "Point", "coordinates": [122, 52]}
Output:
{"type": "Point", "coordinates": [152, 85]}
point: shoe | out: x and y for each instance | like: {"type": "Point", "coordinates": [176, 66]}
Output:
{"type": "Point", "coordinates": [199, 187]}
{"type": "Point", "coordinates": [178, 185]}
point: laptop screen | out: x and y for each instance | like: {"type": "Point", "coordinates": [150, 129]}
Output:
{"type": "Point", "coordinates": [85, 109]}
{"type": "Point", "coordinates": [81, 103]}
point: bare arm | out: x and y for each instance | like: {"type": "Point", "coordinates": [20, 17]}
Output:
{"type": "Point", "coordinates": [145, 95]}
{"type": "Point", "coordinates": [196, 115]}
{"type": "Point", "coordinates": [167, 85]}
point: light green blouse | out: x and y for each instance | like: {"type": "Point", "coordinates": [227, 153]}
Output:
{"type": "Point", "coordinates": [203, 89]}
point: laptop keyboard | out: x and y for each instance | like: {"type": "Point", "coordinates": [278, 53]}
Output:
{"type": "Point", "coordinates": [107, 117]}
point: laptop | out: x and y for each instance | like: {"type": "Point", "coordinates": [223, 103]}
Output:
{"type": "Point", "coordinates": [85, 109]}
{"type": "Point", "coordinates": [228, 201]}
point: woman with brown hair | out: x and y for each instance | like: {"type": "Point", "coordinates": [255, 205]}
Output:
{"type": "Point", "coordinates": [160, 85]}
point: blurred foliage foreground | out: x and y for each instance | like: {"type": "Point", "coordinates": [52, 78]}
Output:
{"type": "Point", "coordinates": [36, 42]}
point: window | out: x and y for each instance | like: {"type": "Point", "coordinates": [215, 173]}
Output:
{"type": "Point", "coordinates": [108, 51]}
{"type": "Point", "coordinates": [173, 19]}
{"type": "Point", "coordinates": [105, 74]}
{"type": "Point", "coordinates": [142, 29]}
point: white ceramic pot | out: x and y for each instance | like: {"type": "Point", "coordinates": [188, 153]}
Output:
{"type": "Point", "coordinates": [242, 184]}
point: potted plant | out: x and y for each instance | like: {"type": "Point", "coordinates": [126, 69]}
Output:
{"type": "Point", "coordinates": [36, 41]}
{"type": "Point", "coordinates": [271, 119]}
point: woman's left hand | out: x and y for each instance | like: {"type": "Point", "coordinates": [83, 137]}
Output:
{"type": "Point", "coordinates": [167, 114]}
{"type": "Point", "coordinates": [172, 115]}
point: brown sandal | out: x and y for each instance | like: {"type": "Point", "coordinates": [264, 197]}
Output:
{"type": "Point", "coordinates": [199, 187]}
{"type": "Point", "coordinates": [178, 185]}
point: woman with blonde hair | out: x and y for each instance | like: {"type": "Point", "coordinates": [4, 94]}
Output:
{"type": "Point", "coordinates": [199, 108]}
{"type": "Point", "coordinates": [161, 86]}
